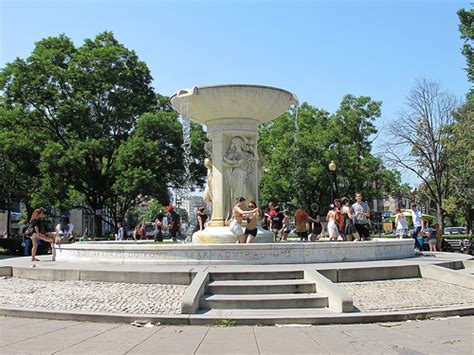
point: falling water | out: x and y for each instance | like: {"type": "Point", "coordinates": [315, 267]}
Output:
{"type": "Point", "coordinates": [185, 192]}
{"type": "Point", "coordinates": [187, 157]}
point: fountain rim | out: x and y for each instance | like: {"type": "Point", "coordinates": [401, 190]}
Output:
{"type": "Point", "coordinates": [190, 91]}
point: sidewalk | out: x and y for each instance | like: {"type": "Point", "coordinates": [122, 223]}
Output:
{"type": "Point", "coordinates": [34, 336]}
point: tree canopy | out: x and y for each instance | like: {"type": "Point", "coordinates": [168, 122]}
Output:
{"type": "Point", "coordinates": [108, 139]}
{"type": "Point", "coordinates": [298, 147]}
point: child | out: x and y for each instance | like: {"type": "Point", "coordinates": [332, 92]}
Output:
{"type": "Point", "coordinates": [401, 223]}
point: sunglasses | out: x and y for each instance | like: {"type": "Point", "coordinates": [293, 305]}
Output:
{"type": "Point", "coordinates": [251, 206]}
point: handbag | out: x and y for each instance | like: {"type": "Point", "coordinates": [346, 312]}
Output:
{"type": "Point", "coordinates": [29, 231]}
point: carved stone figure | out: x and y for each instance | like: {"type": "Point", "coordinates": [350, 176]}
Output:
{"type": "Point", "coordinates": [208, 164]}
{"type": "Point", "coordinates": [239, 159]}
{"type": "Point", "coordinates": [208, 188]}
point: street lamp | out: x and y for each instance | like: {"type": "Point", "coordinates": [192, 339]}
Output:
{"type": "Point", "coordinates": [332, 172]}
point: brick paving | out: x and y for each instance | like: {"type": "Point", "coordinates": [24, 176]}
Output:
{"type": "Point", "coordinates": [91, 296]}
{"type": "Point", "coordinates": [406, 294]}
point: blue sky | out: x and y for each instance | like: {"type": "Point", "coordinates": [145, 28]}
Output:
{"type": "Point", "coordinates": [320, 50]}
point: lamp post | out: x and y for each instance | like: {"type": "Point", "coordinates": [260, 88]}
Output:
{"type": "Point", "coordinates": [332, 172]}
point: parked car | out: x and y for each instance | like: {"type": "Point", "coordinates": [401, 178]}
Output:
{"type": "Point", "coordinates": [454, 230]}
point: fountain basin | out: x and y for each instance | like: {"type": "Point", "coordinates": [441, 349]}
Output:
{"type": "Point", "coordinates": [257, 102]}
{"type": "Point", "coordinates": [255, 253]}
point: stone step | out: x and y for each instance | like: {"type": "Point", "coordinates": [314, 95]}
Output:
{"type": "Point", "coordinates": [260, 275]}
{"type": "Point", "coordinates": [268, 313]}
{"type": "Point", "coordinates": [260, 286]}
{"type": "Point", "coordinates": [262, 301]}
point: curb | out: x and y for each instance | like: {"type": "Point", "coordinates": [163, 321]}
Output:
{"type": "Point", "coordinates": [199, 319]}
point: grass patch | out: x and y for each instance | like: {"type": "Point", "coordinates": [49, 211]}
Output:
{"type": "Point", "coordinates": [4, 251]}
{"type": "Point", "coordinates": [226, 323]}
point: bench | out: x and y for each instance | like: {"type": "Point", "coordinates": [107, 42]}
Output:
{"type": "Point", "coordinates": [456, 245]}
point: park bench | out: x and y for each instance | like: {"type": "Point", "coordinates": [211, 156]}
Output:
{"type": "Point", "coordinates": [456, 245]}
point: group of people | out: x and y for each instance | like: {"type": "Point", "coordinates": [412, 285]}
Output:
{"type": "Point", "coordinates": [173, 223]}
{"type": "Point", "coordinates": [346, 221]}
{"type": "Point", "coordinates": [434, 232]}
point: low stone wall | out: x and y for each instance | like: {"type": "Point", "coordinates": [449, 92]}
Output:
{"type": "Point", "coordinates": [263, 253]}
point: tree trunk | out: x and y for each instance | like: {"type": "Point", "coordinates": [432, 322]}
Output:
{"type": "Point", "coordinates": [97, 224]}
{"type": "Point", "coordinates": [440, 216]}
{"type": "Point", "coordinates": [8, 221]}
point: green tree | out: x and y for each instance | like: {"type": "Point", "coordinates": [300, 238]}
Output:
{"type": "Point", "coordinates": [99, 152]}
{"type": "Point", "coordinates": [298, 147]}
{"type": "Point", "coordinates": [466, 28]}
{"type": "Point", "coordinates": [420, 140]}
{"type": "Point", "coordinates": [152, 209]}
{"type": "Point", "coordinates": [460, 146]}
{"type": "Point", "coordinates": [19, 159]}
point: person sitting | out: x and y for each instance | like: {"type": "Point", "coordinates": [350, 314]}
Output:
{"type": "Point", "coordinates": [64, 231]}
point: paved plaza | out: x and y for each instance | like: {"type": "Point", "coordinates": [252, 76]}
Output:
{"type": "Point", "coordinates": [39, 336]}
{"type": "Point", "coordinates": [133, 298]}
{"type": "Point", "coordinates": [91, 296]}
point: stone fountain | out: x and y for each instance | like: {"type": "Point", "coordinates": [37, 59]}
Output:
{"type": "Point", "coordinates": [232, 114]}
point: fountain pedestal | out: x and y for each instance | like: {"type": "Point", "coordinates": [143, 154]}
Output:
{"type": "Point", "coordinates": [232, 114]}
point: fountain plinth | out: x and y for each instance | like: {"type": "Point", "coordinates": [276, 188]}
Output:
{"type": "Point", "coordinates": [232, 114]}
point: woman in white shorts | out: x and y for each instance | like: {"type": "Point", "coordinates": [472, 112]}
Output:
{"type": "Point", "coordinates": [333, 231]}
{"type": "Point", "coordinates": [401, 223]}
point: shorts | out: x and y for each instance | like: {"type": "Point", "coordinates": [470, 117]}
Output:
{"type": "Point", "coordinates": [252, 232]}
{"type": "Point", "coordinates": [236, 228]}
{"type": "Point", "coordinates": [363, 230]}
{"type": "Point", "coordinates": [432, 242]}
{"type": "Point", "coordinates": [302, 235]}
{"type": "Point", "coordinates": [333, 231]}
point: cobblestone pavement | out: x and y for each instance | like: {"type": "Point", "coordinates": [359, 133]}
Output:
{"type": "Point", "coordinates": [404, 294]}
{"type": "Point", "coordinates": [91, 296]}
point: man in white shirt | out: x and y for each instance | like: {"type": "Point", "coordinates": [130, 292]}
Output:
{"type": "Point", "coordinates": [418, 225]}
{"type": "Point", "coordinates": [361, 213]}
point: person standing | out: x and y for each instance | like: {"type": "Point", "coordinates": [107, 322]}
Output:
{"type": "Point", "coordinates": [265, 221]}
{"type": "Point", "coordinates": [401, 223]}
{"type": "Point", "coordinates": [238, 214]}
{"type": "Point", "coordinates": [158, 233]}
{"type": "Point", "coordinates": [251, 229]}
{"type": "Point", "coordinates": [301, 219]}
{"type": "Point", "coordinates": [285, 229]}
{"type": "Point", "coordinates": [174, 222]}
{"type": "Point", "coordinates": [331, 217]}
{"type": "Point", "coordinates": [277, 222]}
{"type": "Point", "coordinates": [315, 227]}
{"type": "Point", "coordinates": [361, 212]}
{"type": "Point", "coordinates": [142, 232]}
{"type": "Point", "coordinates": [418, 225]}
{"type": "Point", "coordinates": [349, 229]}
{"type": "Point", "coordinates": [432, 236]}
{"type": "Point", "coordinates": [35, 224]}
{"type": "Point", "coordinates": [201, 220]}
{"type": "Point", "coordinates": [121, 233]}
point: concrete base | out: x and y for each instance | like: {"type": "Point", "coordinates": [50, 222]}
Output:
{"type": "Point", "coordinates": [223, 235]}
{"type": "Point", "coordinates": [255, 253]}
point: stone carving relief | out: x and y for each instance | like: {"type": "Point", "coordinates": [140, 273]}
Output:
{"type": "Point", "coordinates": [208, 164]}
{"type": "Point", "coordinates": [240, 160]}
